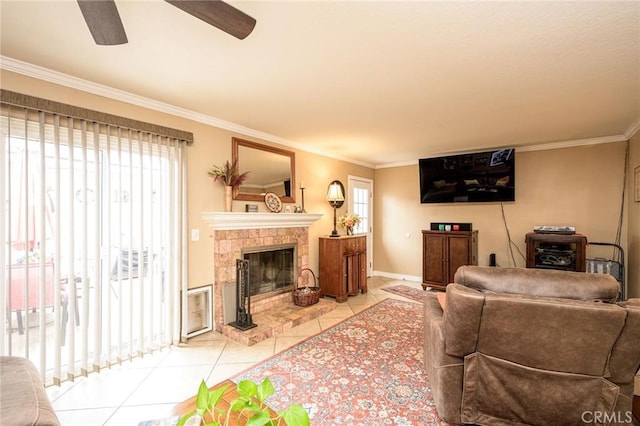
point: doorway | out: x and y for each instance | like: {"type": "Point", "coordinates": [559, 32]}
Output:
{"type": "Point", "coordinates": [360, 201]}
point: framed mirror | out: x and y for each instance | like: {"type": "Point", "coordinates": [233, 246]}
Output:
{"type": "Point", "coordinates": [270, 170]}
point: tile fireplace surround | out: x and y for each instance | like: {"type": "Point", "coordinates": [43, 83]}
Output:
{"type": "Point", "coordinates": [235, 231]}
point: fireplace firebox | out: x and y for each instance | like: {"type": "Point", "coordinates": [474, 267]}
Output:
{"type": "Point", "coordinates": [271, 269]}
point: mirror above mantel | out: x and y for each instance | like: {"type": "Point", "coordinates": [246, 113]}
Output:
{"type": "Point", "coordinates": [270, 169]}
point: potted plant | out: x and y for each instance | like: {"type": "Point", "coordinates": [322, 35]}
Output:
{"type": "Point", "coordinates": [250, 400]}
{"type": "Point", "coordinates": [228, 176]}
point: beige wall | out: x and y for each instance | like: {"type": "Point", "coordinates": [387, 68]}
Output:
{"type": "Point", "coordinates": [633, 249]}
{"type": "Point", "coordinates": [581, 187]}
{"type": "Point", "coordinates": [574, 186]}
{"type": "Point", "coordinates": [211, 146]}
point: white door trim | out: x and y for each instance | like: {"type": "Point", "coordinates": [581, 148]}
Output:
{"type": "Point", "coordinates": [366, 183]}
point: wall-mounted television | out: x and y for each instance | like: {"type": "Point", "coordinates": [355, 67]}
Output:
{"type": "Point", "coordinates": [468, 178]}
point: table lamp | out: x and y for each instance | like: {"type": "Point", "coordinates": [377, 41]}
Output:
{"type": "Point", "coordinates": [335, 197]}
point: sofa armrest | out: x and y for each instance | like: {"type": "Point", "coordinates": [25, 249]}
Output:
{"type": "Point", "coordinates": [23, 400]}
{"type": "Point", "coordinates": [462, 319]}
{"type": "Point", "coordinates": [625, 356]}
{"type": "Point", "coordinates": [444, 372]}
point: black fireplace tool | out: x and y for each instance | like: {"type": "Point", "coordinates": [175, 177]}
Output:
{"type": "Point", "coordinates": [243, 299]}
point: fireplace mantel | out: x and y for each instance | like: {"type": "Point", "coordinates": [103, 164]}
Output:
{"type": "Point", "coordinates": [253, 220]}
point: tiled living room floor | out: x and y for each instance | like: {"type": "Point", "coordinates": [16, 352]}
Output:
{"type": "Point", "coordinates": [148, 388]}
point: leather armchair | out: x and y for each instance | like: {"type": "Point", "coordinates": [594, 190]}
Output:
{"type": "Point", "coordinates": [530, 346]}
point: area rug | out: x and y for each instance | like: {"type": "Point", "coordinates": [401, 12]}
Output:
{"type": "Point", "coordinates": [406, 291]}
{"type": "Point", "coordinates": [367, 370]}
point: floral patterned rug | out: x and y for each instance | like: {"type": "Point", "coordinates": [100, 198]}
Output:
{"type": "Point", "coordinates": [367, 370]}
{"type": "Point", "coordinates": [406, 291]}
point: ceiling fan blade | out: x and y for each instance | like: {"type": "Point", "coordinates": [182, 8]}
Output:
{"type": "Point", "coordinates": [219, 14]}
{"type": "Point", "coordinates": [103, 21]}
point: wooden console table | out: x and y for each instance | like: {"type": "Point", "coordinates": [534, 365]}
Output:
{"type": "Point", "coordinates": [343, 266]}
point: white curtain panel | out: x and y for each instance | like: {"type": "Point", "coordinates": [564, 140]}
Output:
{"type": "Point", "coordinates": [93, 240]}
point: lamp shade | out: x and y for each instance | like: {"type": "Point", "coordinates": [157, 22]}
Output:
{"type": "Point", "coordinates": [335, 197]}
{"type": "Point", "coordinates": [335, 194]}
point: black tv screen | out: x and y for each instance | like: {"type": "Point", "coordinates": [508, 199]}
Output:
{"type": "Point", "coordinates": [468, 178]}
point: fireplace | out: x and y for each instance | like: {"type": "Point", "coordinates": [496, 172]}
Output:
{"type": "Point", "coordinates": [272, 269]}
{"type": "Point", "coordinates": [236, 235]}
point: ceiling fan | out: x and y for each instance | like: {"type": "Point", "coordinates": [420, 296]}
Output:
{"type": "Point", "coordinates": [105, 25]}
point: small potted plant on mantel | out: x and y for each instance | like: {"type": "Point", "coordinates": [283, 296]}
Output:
{"type": "Point", "coordinates": [228, 176]}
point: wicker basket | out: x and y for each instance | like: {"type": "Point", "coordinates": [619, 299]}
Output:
{"type": "Point", "coordinates": [306, 296]}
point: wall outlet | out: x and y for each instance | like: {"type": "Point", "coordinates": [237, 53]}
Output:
{"type": "Point", "coordinates": [195, 234]}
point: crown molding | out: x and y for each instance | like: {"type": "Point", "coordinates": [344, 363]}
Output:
{"type": "Point", "coordinates": [633, 129]}
{"type": "Point", "coordinates": [572, 143]}
{"type": "Point", "coordinates": [396, 164]}
{"type": "Point", "coordinates": [46, 74]}
{"type": "Point", "coordinates": [525, 148]}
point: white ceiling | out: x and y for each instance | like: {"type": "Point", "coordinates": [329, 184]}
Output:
{"type": "Point", "coordinates": [381, 82]}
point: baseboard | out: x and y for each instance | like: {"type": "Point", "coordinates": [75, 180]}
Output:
{"type": "Point", "coordinates": [403, 277]}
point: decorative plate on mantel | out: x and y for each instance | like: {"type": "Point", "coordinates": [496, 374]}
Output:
{"type": "Point", "coordinates": [273, 202]}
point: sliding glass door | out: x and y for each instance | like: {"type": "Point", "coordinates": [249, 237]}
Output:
{"type": "Point", "coordinates": [92, 242]}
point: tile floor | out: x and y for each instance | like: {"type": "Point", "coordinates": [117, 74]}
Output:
{"type": "Point", "coordinates": [149, 387]}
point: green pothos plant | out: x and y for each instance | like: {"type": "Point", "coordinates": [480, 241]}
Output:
{"type": "Point", "coordinates": [251, 400]}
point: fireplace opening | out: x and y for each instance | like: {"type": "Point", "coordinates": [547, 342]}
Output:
{"type": "Point", "coordinates": [272, 269]}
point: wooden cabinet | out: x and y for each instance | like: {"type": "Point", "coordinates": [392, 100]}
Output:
{"type": "Point", "coordinates": [443, 252]}
{"type": "Point", "coordinates": [556, 251]}
{"type": "Point", "coordinates": [343, 266]}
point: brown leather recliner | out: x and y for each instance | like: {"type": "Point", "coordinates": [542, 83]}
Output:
{"type": "Point", "coordinates": [530, 346]}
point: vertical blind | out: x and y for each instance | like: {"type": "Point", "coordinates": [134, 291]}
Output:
{"type": "Point", "coordinates": [93, 236]}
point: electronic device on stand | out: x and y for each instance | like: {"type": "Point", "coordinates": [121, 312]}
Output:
{"type": "Point", "coordinates": [553, 229]}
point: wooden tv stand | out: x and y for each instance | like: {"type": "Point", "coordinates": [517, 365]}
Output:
{"type": "Point", "coordinates": [556, 251]}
